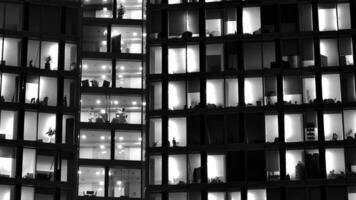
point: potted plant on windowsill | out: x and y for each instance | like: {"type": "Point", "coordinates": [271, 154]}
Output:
{"type": "Point", "coordinates": [50, 133]}
{"type": "Point", "coordinates": [120, 11]}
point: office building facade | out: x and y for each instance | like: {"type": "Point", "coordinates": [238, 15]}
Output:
{"type": "Point", "coordinates": [250, 99]}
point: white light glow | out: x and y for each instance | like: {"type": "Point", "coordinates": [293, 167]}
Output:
{"type": "Point", "coordinates": [98, 101]}
{"type": "Point", "coordinates": [251, 19]}
{"type": "Point", "coordinates": [327, 19]}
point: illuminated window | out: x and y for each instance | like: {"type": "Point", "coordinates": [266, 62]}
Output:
{"type": "Point", "coordinates": [155, 170]}
{"type": "Point", "coordinates": [271, 128]}
{"type": "Point", "coordinates": [8, 124]}
{"type": "Point", "coordinates": [91, 181]}
{"type": "Point", "coordinates": [177, 132]}
{"type": "Point", "coordinates": [293, 127]}
{"type": "Point", "coordinates": [10, 51]}
{"type": "Point", "coordinates": [125, 182]}
{"type": "Point", "coordinates": [7, 192]}
{"type": "Point", "coordinates": [126, 39]}
{"type": "Point", "coordinates": [350, 124]}
{"type": "Point", "coordinates": [128, 145]}
{"type": "Point", "coordinates": [182, 60]}
{"type": "Point", "coordinates": [216, 195]}
{"type": "Point", "coordinates": [295, 164]}
{"type": "Point", "coordinates": [214, 23]}
{"type": "Point", "coordinates": [331, 88]}
{"type": "Point", "coordinates": [253, 92]}
{"type": "Point", "coordinates": [251, 20]}
{"type": "Point", "coordinates": [215, 93]}
{"type": "Point", "coordinates": [231, 92]}
{"type": "Point", "coordinates": [8, 164]}
{"type": "Point", "coordinates": [177, 169]}
{"type": "Point", "coordinates": [40, 127]}
{"type": "Point", "coordinates": [98, 9]}
{"type": "Point", "coordinates": [155, 60]}
{"type": "Point", "coordinates": [183, 24]}
{"type": "Point", "coordinates": [177, 95]}
{"type": "Point", "coordinates": [216, 169]}
{"type": "Point", "coordinates": [94, 144]}
{"type": "Point", "coordinates": [333, 129]}
{"type": "Point", "coordinates": [132, 9]}
{"type": "Point", "coordinates": [335, 163]}
{"type": "Point", "coordinates": [334, 17]}
{"type": "Point", "coordinates": [10, 87]}
{"type": "Point", "coordinates": [259, 194]}
{"type": "Point", "coordinates": [129, 74]}
{"type": "Point", "coordinates": [96, 73]}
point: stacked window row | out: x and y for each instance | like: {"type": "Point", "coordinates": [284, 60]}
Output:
{"type": "Point", "coordinates": [252, 165]}
{"type": "Point", "coordinates": [38, 126]}
{"type": "Point", "coordinates": [118, 9]}
{"type": "Point", "coordinates": [290, 193]}
{"type": "Point", "coordinates": [233, 56]}
{"type": "Point", "coordinates": [125, 39]}
{"type": "Point", "coordinates": [97, 144]}
{"type": "Point", "coordinates": [32, 193]}
{"type": "Point", "coordinates": [258, 91]}
{"type": "Point", "coordinates": [119, 181]}
{"type": "Point", "coordinates": [36, 164]}
{"type": "Point", "coordinates": [40, 54]}
{"type": "Point", "coordinates": [118, 109]}
{"type": "Point", "coordinates": [100, 73]}
{"type": "Point", "coordinates": [42, 165]}
{"type": "Point", "coordinates": [303, 126]}
{"type": "Point", "coordinates": [284, 18]}
{"type": "Point", "coordinates": [38, 89]}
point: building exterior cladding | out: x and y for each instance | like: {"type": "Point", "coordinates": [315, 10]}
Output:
{"type": "Point", "coordinates": [250, 99]}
